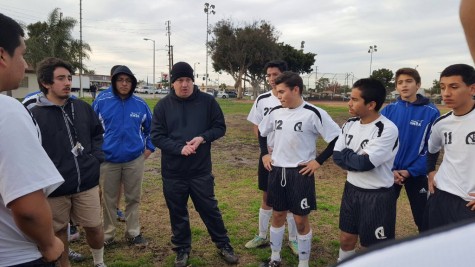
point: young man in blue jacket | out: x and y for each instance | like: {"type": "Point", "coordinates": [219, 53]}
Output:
{"type": "Point", "coordinates": [185, 122]}
{"type": "Point", "coordinates": [126, 119]}
{"type": "Point", "coordinates": [414, 115]}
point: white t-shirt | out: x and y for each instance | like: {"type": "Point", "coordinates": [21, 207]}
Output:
{"type": "Point", "coordinates": [262, 106]}
{"type": "Point", "coordinates": [456, 134]}
{"type": "Point", "coordinates": [24, 168]}
{"type": "Point", "coordinates": [295, 133]}
{"type": "Point", "coordinates": [379, 140]}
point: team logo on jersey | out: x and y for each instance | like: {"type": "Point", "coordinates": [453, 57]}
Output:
{"type": "Point", "coordinates": [379, 233]}
{"type": "Point", "coordinates": [416, 122]}
{"type": "Point", "coordinates": [364, 143]}
{"type": "Point", "coordinates": [134, 115]}
{"type": "Point", "coordinates": [470, 139]}
{"type": "Point", "coordinates": [303, 204]}
{"type": "Point", "coordinates": [298, 127]}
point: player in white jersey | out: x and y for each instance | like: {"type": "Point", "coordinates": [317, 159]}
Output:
{"type": "Point", "coordinates": [452, 186]}
{"type": "Point", "coordinates": [366, 148]}
{"type": "Point", "coordinates": [260, 109]}
{"type": "Point", "coordinates": [295, 125]}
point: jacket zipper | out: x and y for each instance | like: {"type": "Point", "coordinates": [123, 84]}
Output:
{"type": "Point", "coordinates": [72, 146]}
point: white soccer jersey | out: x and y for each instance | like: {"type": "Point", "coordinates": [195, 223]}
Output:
{"type": "Point", "coordinates": [379, 140]}
{"type": "Point", "coordinates": [295, 133]}
{"type": "Point", "coordinates": [262, 106]}
{"type": "Point", "coordinates": [456, 134]}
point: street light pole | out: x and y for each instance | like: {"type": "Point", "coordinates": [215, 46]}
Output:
{"type": "Point", "coordinates": [208, 9]}
{"type": "Point", "coordinates": [371, 50]}
{"type": "Point", "coordinates": [147, 39]}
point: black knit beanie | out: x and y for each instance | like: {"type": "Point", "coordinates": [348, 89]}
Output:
{"type": "Point", "coordinates": [181, 69]}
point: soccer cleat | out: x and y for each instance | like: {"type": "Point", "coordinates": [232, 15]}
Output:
{"type": "Point", "coordinates": [75, 256]}
{"type": "Point", "coordinates": [294, 246]}
{"type": "Point", "coordinates": [120, 216]}
{"type": "Point", "coordinates": [181, 258]}
{"type": "Point", "coordinates": [256, 242]}
{"type": "Point", "coordinates": [109, 243]}
{"type": "Point", "coordinates": [227, 253]}
{"type": "Point", "coordinates": [270, 263]}
{"type": "Point", "coordinates": [100, 265]}
{"type": "Point", "coordinates": [138, 241]}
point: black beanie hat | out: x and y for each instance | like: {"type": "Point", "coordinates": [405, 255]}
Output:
{"type": "Point", "coordinates": [181, 69]}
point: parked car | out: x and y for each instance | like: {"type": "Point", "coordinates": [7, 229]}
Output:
{"type": "Point", "coordinates": [146, 89]}
{"type": "Point", "coordinates": [164, 91]}
{"type": "Point", "coordinates": [222, 94]}
{"type": "Point", "coordinates": [232, 94]}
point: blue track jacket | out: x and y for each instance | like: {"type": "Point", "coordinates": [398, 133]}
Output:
{"type": "Point", "coordinates": [126, 124]}
{"type": "Point", "coordinates": [414, 121]}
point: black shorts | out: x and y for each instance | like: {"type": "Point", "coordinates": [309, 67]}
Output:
{"type": "Point", "coordinates": [36, 263]}
{"type": "Point", "coordinates": [444, 208]}
{"type": "Point", "coordinates": [262, 175]}
{"type": "Point", "coordinates": [369, 213]}
{"type": "Point", "coordinates": [290, 190]}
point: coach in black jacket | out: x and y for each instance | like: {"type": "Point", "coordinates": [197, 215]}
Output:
{"type": "Point", "coordinates": [71, 135]}
{"type": "Point", "coordinates": [184, 124]}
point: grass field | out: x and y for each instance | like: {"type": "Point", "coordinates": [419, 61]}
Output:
{"type": "Point", "coordinates": [235, 167]}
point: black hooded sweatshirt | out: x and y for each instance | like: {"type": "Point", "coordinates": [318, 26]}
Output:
{"type": "Point", "coordinates": [175, 121]}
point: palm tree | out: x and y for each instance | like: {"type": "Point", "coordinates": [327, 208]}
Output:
{"type": "Point", "coordinates": [53, 39]}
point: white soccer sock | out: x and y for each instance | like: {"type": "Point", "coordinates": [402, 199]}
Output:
{"type": "Point", "coordinates": [276, 237]}
{"type": "Point", "coordinates": [345, 254]}
{"type": "Point", "coordinates": [264, 218]}
{"type": "Point", "coordinates": [97, 255]}
{"type": "Point", "coordinates": [292, 228]}
{"type": "Point", "coordinates": [305, 245]}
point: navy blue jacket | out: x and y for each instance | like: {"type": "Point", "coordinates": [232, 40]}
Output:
{"type": "Point", "coordinates": [176, 121]}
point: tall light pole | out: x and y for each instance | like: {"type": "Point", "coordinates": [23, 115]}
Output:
{"type": "Point", "coordinates": [371, 50]}
{"type": "Point", "coordinates": [194, 67]}
{"type": "Point", "coordinates": [208, 9]}
{"type": "Point", "coordinates": [147, 39]}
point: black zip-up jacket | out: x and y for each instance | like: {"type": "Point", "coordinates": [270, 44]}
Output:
{"type": "Point", "coordinates": [59, 137]}
{"type": "Point", "coordinates": [175, 121]}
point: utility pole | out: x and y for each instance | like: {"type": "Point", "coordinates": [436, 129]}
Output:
{"type": "Point", "coordinates": [208, 9]}
{"type": "Point", "coordinates": [169, 52]}
{"type": "Point", "coordinates": [81, 92]}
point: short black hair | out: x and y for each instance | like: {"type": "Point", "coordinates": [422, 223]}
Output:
{"type": "Point", "coordinates": [371, 90]}
{"type": "Point", "coordinates": [466, 71]}
{"type": "Point", "coordinates": [45, 71]}
{"type": "Point", "coordinates": [290, 79]}
{"type": "Point", "coordinates": [10, 33]}
{"type": "Point", "coordinates": [280, 64]}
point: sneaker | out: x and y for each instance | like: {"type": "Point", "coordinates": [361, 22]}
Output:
{"type": "Point", "coordinates": [270, 263]}
{"type": "Point", "coordinates": [109, 243]}
{"type": "Point", "coordinates": [294, 246]}
{"type": "Point", "coordinates": [75, 256]}
{"type": "Point", "coordinates": [100, 265]}
{"type": "Point", "coordinates": [120, 216]}
{"type": "Point", "coordinates": [256, 242]}
{"type": "Point", "coordinates": [181, 258]}
{"type": "Point", "coordinates": [138, 241]}
{"type": "Point", "coordinates": [227, 253]}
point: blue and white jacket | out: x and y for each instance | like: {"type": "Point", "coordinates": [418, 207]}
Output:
{"type": "Point", "coordinates": [126, 125]}
{"type": "Point", "coordinates": [414, 121]}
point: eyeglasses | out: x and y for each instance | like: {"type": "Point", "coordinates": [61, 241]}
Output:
{"type": "Point", "coordinates": [128, 81]}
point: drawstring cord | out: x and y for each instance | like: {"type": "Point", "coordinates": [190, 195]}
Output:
{"type": "Point", "coordinates": [283, 181]}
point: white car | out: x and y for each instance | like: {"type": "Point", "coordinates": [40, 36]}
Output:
{"type": "Point", "coordinates": [222, 94]}
{"type": "Point", "coordinates": [146, 90]}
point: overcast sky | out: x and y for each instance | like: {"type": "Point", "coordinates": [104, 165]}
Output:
{"type": "Point", "coordinates": [408, 33]}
